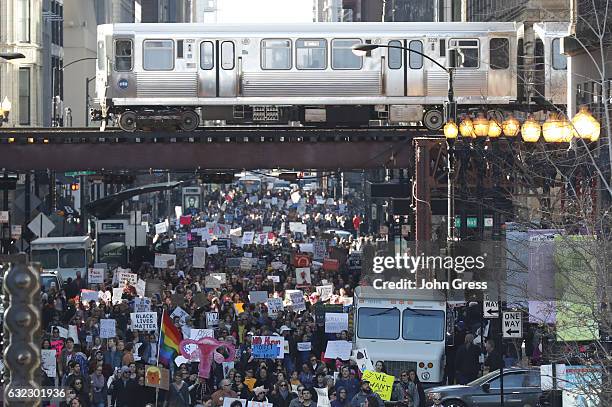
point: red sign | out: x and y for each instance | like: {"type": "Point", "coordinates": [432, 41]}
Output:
{"type": "Point", "coordinates": [186, 220]}
{"type": "Point", "coordinates": [301, 260]}
{"type": "Point", "coordinates": [331, 265]}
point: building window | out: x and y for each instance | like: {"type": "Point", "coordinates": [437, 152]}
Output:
{"type": "Point", "coordinates": [158, 55]}
{"type": "Point", "coordinates": [559, 61]}
{"type": "Point", "coordinates": [311, 54]}
{"type": "Point", "coordinates": [123, 55]}
{"type": "Point", "coordinates": [227, 55]}
{"type": "Point", "coordinates": [207, 55]}
{"type": "Point", "coordinates": [499, 53]}
{"type": "Point", "coordinates": [395, 55]}
{"type": "Point", "coordinates": [23, 20]}
{"type": "Point", "coordinates": [343, 56]}
{"type": "Point", "coordinates": [24, 96]}
{"type": "Point", "coordinates": [416, 60]}
{"type": "Point", "coordinates": [464, 53]}
{"type": "Point", "coordinates": [276, 54]}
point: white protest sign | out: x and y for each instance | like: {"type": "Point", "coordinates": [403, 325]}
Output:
{"type": "Point", "coordinates": [165, 261]}
{"type": "Point", "coordinates": [277, 265]}
{"type": "Point", "coordinates": [338, 349]}
{"type": "Point", "coordinates": [297, 227]}
{"type": "Point", "coordinates": [261, 239]}
{"type": "Point", "coordinates": [141, 287]}
{"type": "Point", "coordinates": [89, 295]}
{"type": "Point", "coordinates": [297, 301]}
{"type": "Point", "coordinates": [302, 275]}
{"type": "Point", "coordinates": [212, 319]}
{"type": "Point", "coordinates": [144, 321]}
{"type": "Point", "coordinates": [306, 248]}
{"type": "Point", "coordinates": [73, 333]}
{"type": "Point", "coordinates": [322, 397]}
{"type": "Point", "coordinates": [275, 305]}
{"type": "Point", "coordinates": [161, 228]}
{"type": "Point", "coordinates": [123, 276]}
{"type": "Point", "coordinates": [95, 276]}
{"type": "Point", "coordinates": [212, 249]}
{"type": "Point", "coordinates": [253, 403]}
{"type": "Point", "coordinates": [180, 360]}
{"type": "Point", "coordinates": [227, 401]}
{"type": "Point", "coordinates": [275, 279]}
{"type": "Point", "coordinates": [257, 297]}
{"type": "Point", "coordinates": [304, 346]}
{"type": "Point", "coordinates": [199, 257]}
{"type": "Point", "coordinates": [117, 293]}
{"type": "Point", "coordinates": [319, 248]}
{"type": "Point", "coordinates": [181, 313]}
{"type": "Point", "coordinates": [181, 241]}
{"type": "Point", "coordinates": [295, 197]}
{"type": "Point", "coordinates": [362, 359]}
{"type": "Point", "coordinates": [108, 328]}
{"type": "Point", "coordinates": [247, 238]}
{"type": "Point", "coordinates": [63, 332]}
{"type": "Point", "coordinates": [49, 362]}
{"type": "Point", "coordinates": [142, 304]}
{"type": "Point", "coordinates": [325, 291]}
{"type": "Point", "coordinates": [335, 323]}
{"type": "Point", "coordinates": [197, 334]}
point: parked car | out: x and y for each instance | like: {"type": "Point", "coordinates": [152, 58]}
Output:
{"type": "Point", "coordinates": [49, 278]}
{"type": "Point", "coordinates": [521, 388]}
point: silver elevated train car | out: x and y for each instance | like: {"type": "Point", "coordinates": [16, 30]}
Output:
{"type": "Point", "coordinates": [151, 75]}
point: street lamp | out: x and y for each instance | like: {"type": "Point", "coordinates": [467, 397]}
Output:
{"type": "Point", "coordinates": [585, 126]}
{"type": "Point", "coordinates": [556, 129]}
{"type": "Point", "coordinates": [530, 131]}
{"type": "Point", "coordinates": [5, 109]}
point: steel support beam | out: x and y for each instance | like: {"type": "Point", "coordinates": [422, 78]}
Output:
{"type": "Point", "coordinates": [422, 189]}
{"type": "Point", "coordinates": [187, 156]}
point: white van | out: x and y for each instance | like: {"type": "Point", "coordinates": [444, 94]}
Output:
{"type": "Point", "coordinates": [66, 255]}
{"type": "Point", "coordinates": [406, 329]}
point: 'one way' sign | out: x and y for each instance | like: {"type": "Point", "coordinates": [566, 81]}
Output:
{"type": "Point", "coordinates": [490, 308]}
{"type": "Point", "coordinates": [512, 324]}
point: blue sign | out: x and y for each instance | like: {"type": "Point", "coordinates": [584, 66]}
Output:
{"type": "Point", "coordinates": [123, 83]}
{"type": "Point", "coordinates": [266, 351]}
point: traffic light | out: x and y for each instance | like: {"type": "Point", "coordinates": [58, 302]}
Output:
{"type": "Point", "coordinates": [217, 178]}
{"type": "Point", "coordinates": [74, 187]}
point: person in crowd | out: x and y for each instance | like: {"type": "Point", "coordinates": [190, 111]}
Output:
{"type": "Point", "coordinates": [178, 395]}
{"type": "Point", "coordinates": [467, 361]}
{"type": "Point", "coordinates": [493, 360]}
{"type": "Point", "coordinates": [364, 392]}
{"type": "Point", "coordinates": [405, 390]}
{"type": "Point", "coordinates": [225, 390]}
{"type": "Point", "coordinates": [348, 383]}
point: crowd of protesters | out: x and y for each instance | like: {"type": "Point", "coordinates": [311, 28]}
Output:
{"type": "Point", "coordinates": [111, 371]}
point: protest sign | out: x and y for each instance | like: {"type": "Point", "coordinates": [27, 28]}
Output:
{"type": "Point", "coordinates": [95, 276]}
{"type": "Point", "coordinates": [380, 383]}
{"type": "Point", "coordinates": [212, 319]}
{"type": "Point", "coordinates": [144, 321]}
{"type": "Point", "coordinates": [297, 227]}
{"type": "Point", "coordinates": [297, 301]}
{"type": "Point", "coordinates": [227, 366]}
{"type": "Point", "coordinates": [57, 345]}
{"type": "Point", "coordinates": [331, 265]}
{"type": "Point", "coordinates": [325, 291]}
{"type": "Point", "coordinates": [228, 401]}
{"type": "Point", "coordinates": [117, 294]}
{"type": "Point", "coordinates": [306, 248]}
{"type": "Point", "coordinates": [108, 328]}
{"type": "Point", "coordinates": [165, 261]}
{"type": "Point", "coordinates": [197, 334]}
{"type": "Point", "coordinates": [246, 263]}
{"type": "Point", "coordinates": [123, 276]}
{"type": "Point", "coordinates": [319, 248]}
{"type": "Point", "coordinates": [157, 377]}
{"type": "Point", "coordinates": [268, 347]}
{"type": "Point", "coordinates": [362, 359]}
{"type": "Point", "coordinates": [335, 323]}
{"type": "Point", "coordinates": [338, 349]}
{"type": "Point", "coordinates": [261, 239]}
{"type": "Point", "coordinates": [322, 397]}
{"type": "Point", "coordinates": [253, 403]}
{"type": "Point", "coordinates": [153, 287]}
{"type": "Point", "coordinates": [214, 249]}
{"type": "Point", "coordinates": [247, 238]}
{"type": "Point", "coordinates": [181, 313]}
{"type": "Point", "coordinates": [214, 280]}
{"type": "Point", "coordinates": [142, 304]}
{"type": "Point", "coordinates": [275, 305]}
{"type": "Point", "coordinates": [256, 297]}
{"type": "Point", "coordinates": [181, 241]}
{"type": "Point", "coordinates": [161, 227]}
{"type": "Point", "coordinates": [277, 265]}
{"type": "Point", "coordinates": [236, 232]}
{"type": "Point", "coordinates": [304, 346]}
{"type": "Point", "coordinates": [302, 275]}
{"type": "Point", "coordinates": [199, 257]}
{"type": "Point", "coordinates": [49, 362]}
{"type": "Point", "coordinates": [89, 295]}
{"type": "Point", "coordinates": [275, 279]}
{"type": "Point", "coordinates": [73, 333]}
{"type": "Point", "coordinates": [141, 288]}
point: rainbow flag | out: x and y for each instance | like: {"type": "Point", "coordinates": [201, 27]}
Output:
{"type": "Point", "coordinates": [169, 339]}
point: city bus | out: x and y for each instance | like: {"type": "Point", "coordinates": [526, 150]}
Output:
{"type": "Point", "coordinates": [406, 329]}
{"type": "Point", "coordinates": [66, 255]}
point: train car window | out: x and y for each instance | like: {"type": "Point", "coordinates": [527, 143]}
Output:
{"type": "Point", "coordinates": [123, 55]}
{"type": "Point", "coordinates": [442, 47]}
{"type": "Point", "coordinates": [343, 56]}
{"type": "Point", "coordinates": [227, 55]}
{"type": "Point", "coordinates": [101, 56]}
{"type": "Point", "coordinates": [416, 60]}
{"type": "Point", "coordinates": [310, 54]}
{"type": "Point", "coordinates": [464, 53]}
{"type": "Point", "coordinates": [559, 61]}
{"type": "Point", "coordinates": [499, 53]}
{"type": "Point", "coordinates": [395, 55]}
{"type": "Point", "coordinates": [276, 54]}
{"type": "Point", "coordinates": [207, 55]}
{"type": "Point", "coordinates": [158, 55]}
{"type": "Point", "coordinates": [179, 49]}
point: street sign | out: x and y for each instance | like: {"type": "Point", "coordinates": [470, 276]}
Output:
{"type": "Point", "coordinates": [41, 226]}
{"type": "Point", "coordinates": [512, 324]}
{"type": "Point", "coordinates": [490, 308]}
{"type": "Point", "coordinates": [78, 173]}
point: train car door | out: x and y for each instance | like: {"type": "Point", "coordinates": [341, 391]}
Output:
{"type": "Point", "coordinates": [217, 76]}
{"type": "Point", "coordinates": [415, 85]}
{"type": "Point", "coordinates": [395, 82]}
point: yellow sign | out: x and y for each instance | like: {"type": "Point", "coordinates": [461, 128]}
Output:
{"type": "Point", "coordinates": [380, 383]}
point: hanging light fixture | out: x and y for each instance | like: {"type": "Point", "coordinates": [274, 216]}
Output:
{"type": "Point", "coordinates": [450, 130]}
{"type": "Point", "coordinates": [552, 129]}
{"type": "Point", "coordinates": [466, 127]}
{"type": "Point", "coordinates": [585, 126]}
{"type": "Point", "coordinates": [511, 126]}
{"type": "Point", "coordinates": [481, 126]}
{"type": "Point", "coordinates": [495, 129]}
{"type": "Point", "coordinates": [530, 131]}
